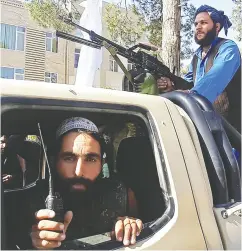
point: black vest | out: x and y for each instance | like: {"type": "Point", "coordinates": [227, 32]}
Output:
{"type": "Point", "coordinates": [228, 103]}
{"type": "Point", "coordinates": [101, 213]}
{"type": "Point", "coordinates": [109, 202]}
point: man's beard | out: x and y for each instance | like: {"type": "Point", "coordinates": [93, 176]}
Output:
{"type": "Point", "coordinates": [208, 39]}
{"type": "Point", "coordinates": [74, 198]}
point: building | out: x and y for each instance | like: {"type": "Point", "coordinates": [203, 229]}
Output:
{"type": "Point", "coordinates": [30, 52]}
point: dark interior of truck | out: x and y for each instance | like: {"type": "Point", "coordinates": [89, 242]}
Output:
{"type": "Point", "coordinates": [129, 153]}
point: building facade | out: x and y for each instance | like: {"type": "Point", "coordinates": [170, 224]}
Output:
{"type": "Point", "coordinates": [30, 52]}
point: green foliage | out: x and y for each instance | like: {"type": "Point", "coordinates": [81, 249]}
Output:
{"type": "Point", "coordinates": [3, 45]}
{"type": "Point", "coordinates": [49, 14]}
{"type": "Point", "coordinates": [55, 45]}
{"type": "Point", "coordinates": [149, 86]}
{"type": "Point", "coordinates": [187, 20]}
{"type": "Point", "coordinates": [150, 12]}
{"type": "Point", "coordinates": [237, 19]}
{"type": "Point", "coordinates": [123, 28]}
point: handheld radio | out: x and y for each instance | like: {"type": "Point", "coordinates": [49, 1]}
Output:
{"type": "Point", "coordinates": [53, 201]}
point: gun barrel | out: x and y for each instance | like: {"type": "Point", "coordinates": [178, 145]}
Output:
{"type": "Point", "coordinates": [79, 27]}
{"type": "Point", "coordinates": [78, 39]}
{"type": "Point", "coordinates": [97, 38]}
{"type": "Point", "coordinates": [140, 58]}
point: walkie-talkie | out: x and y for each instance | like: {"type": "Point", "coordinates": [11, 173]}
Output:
{"type": "Point", "coordinates": [53, 201]}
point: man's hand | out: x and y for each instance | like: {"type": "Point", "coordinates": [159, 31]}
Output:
{"type": "Point", "coordinates": [48, 234]}
{"type": "Point", "coordinates": [6, 178]}
{"type": "Point", "coordinates": [126, 230]}
{"type": "Point", "coordinates": [164, 84]}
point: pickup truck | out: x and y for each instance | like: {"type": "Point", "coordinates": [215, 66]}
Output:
{"type": "Point", "coordinates": [174, 150]}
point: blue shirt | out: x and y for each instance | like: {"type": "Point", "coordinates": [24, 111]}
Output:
{"type": "Point", "coordinates": [225, 64]}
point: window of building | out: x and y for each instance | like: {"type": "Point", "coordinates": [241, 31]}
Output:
{"type": "Point", "coordinates": [19, 73]}
{"type": "Point", "coordinates": [130, 65]}
{"type": "Point", "coordinates": [76, 58]}
{"type": "Point", "coordinates": [12, 37]}
{"type": "Point", "coordinates": [51, 42]}
{"type": "Point", "coordinates": [12, 73]}
{"type": "Point", "coordinates": [51, 77]}
{"type": "Point", "coordinates": [113, 66]}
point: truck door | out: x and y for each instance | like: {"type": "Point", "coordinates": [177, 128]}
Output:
{"type": "Point", "coordinates": [221, 167]}
{"type": "Point", "coordinates": [178, 226]}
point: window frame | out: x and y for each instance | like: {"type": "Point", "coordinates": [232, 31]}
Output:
{"type": "Point", "coordinates": [50, 77]}
{"type": "Point", "coordinates": [16, 39]}
{"type": "Point", "coordinates": [21, 32]}
{"type": "Point", "coordinates": [81, 106]}
{"type": "Point", "coordinates": [130, 65]}
{"type": "Point", "coordinates": [53, 36]}
{"type": "Point", "coordinates": [113, 65]}
{"type": "Point", "coordinates": [18, 74]}
{"type": "Point", "coordinates": [76, 54]}
{"type": "Point", "coordinates": [15, 73]}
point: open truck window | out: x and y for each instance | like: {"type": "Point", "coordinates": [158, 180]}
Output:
{"type": "Point", "coordinates": [133, 154]}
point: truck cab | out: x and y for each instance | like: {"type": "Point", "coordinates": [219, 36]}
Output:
{"type": "Point", "coordinates": [173, 150]}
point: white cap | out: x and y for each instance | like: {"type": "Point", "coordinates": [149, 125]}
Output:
{"type": "Point", "coordinates": [76, 123]}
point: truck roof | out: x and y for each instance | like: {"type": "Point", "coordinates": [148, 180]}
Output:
{"type": "Point", "coordinates": [34, 89]}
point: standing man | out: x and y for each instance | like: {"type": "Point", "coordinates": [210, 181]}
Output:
{"type": "Point", "coordinates": [215, 70]}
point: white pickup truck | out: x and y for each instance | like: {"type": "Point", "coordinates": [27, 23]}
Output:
{"type": "Point", "coordinates": [178, 155]}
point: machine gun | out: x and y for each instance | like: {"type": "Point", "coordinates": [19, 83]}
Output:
{"type": "Point", "coordinates": [142, 61]}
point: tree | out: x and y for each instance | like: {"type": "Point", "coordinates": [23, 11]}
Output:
{"type": "Point", "coordinates": [187, 19]}
{"type": "Point", "coordinates": [51, 13]}
{"type": "Point", "coordinates": [125, 28]}
{"type": "Point", "coordinates": [237, 18]}
{"type": "Point", "coordinates": [150, 12]}
{"type": "Point", "coordinates": [171, 34]}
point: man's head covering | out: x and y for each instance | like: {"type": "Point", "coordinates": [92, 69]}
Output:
{"type": "Point", "coordinates": [76, 123]}
{"type": "Point", "coordinates": [217, 16]}
{"type": "Point", "coordinates": [85, 125]}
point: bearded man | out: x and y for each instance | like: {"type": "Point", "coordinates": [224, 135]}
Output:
{"type": "Point", "coordinates": [215, 70]}
{"type": "Point", "coordinates": [93, 204]}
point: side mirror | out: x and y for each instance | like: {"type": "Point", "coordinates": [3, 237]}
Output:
{"type": "Point", "coordinates": [20, 161]}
